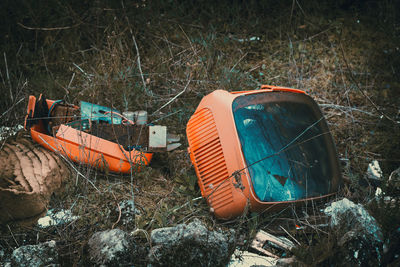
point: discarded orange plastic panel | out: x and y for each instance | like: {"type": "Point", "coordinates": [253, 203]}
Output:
{"type": "Point", "coordinates": [263, 149]}
{"type": "Point", "coordinates": [82, 147]}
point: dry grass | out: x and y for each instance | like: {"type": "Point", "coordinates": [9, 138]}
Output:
{"type": "Point", "coordinates": [140, 56]}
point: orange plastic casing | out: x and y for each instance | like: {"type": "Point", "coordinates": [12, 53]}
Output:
{"type": "Point", "coordinates": [216, 154]}
{"type": "Point", "coordinates": [85, 148]}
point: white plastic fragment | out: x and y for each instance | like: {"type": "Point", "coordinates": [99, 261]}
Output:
{"type": "Point", "coordinates": [374, 170]}
{"type": "Point", "coordinates": [157, 137]}
{"type": "Point", "coordinates": [245, 258]}
{"type": "Point", "coordinates": [53, 218]}
{"type": "Point", "coordinates": [251, 39]}
{"type": "Point", "coordinates": [378, 192]}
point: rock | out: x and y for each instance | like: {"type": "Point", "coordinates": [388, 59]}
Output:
{"type": "Point", "coordinates": [111, 248]}
{"type": "Point", "coordinates": [43, 254]}
{"type": "Point", "coordinates": [360, 239]}
{"type": "Point", "coordinates": [191, 244]}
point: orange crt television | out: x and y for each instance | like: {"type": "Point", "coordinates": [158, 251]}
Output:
{"type": "Point", "coordinates": [261, 150]}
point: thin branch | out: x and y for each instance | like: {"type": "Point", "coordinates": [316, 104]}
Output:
{"type": "Point", "coordinates": [348, 108]}
{"type": "Point", "coordinates": [240, 59]}
{"type": "Point", "coordinates": [361, 91]}
{"type": "Point", "coordinates": [72, 165]}
{"type": "Point", "coordinates": [8, 76]}
{"type": "Point", "coordinates": [148, 92]}
{"type": "Point", "coordinates": [120, 212]}
{"type": "Point", "coordinates": [48, 29]}
{"type": "Point", "coordinates": [5, 112]}
{"type": "Point", "coordinates": [175, 97]}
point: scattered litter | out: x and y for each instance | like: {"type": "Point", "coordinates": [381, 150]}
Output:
{"type": "Point", "coordinates": [374, 171]}
{"type": "Point", "coordinates": [95, 135]}
{"type": "Point", "coordinates": [53, 218]}
{"type": "Point", "coordinates": [245, 259]}
{"type": "Point", "coordinates": [231, 164]}
{"type": "Point", "coordinates": [378, 192]}
{"type": "Point", "coordinates": [251, 39]}
{"type": "Point", "coordinates": [262, 237]}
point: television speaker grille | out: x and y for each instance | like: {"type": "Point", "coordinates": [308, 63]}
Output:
{"type": "Point", "coordinates": [209, 159]}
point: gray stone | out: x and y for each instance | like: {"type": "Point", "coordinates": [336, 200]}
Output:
{"type": "Point", "coordinates": [191, 244]}
{"type": "Point", "coordinates": [44, 254]}
{"type": "Point", "coordinates": [110, 248]}
{"type": "Point", "coordinates": [359, 236]}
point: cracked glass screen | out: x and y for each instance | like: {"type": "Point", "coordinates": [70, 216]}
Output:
{"type": "Point", "coordinates": [284, 144]}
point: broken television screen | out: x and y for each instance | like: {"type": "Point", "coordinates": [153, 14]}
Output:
{"type": "Point", "coordinates": [286, 145]}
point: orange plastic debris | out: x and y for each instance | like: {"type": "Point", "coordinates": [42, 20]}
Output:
{"type": "Point", "coordinates": [236, 175]}
{"type": "Point", "coordinates": [82, 147]}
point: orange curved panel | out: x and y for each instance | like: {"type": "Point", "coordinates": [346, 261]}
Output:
{"type": "Point", "coordinates": [84, 148]}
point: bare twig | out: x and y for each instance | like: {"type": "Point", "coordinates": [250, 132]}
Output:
{"type": "Point", "coordinates": [175, 97]}
{"type": "Point", "coordinates": [187, 37]}
{"type": "Point", "coordinates": [148, 92]}
{"type": "Point", "coordinates": [10, 108]}
{"type": "Point", "coordinates": [84, 72]}
{"type": "Point", "coordinates": [70, 82]}
{"type": "Point", "coordinates": [15, 240]}
{"type": "Point", "coordinates": [294, 239]}
{"type": "Point", "coordinates": [72, 165]}
{"type": "Point", "coordinates": [361, 91]}
{"type": "Point", "coordinates": [347, 108]}
{"type": "Point", "coordinates": [8, 77]}
{"type": "Point", "coordinates": [240, 59]}
{"type": "Point", "coordinates": [166, 116]}
{"type": "Point", "coordinates": [146, 234]}
{"type": "Point", "coordinates": [49, 29]}
{"type": "Point", "coordinates": [187, 203]}
{"type": "Point", "coordinates": [119, 209]}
